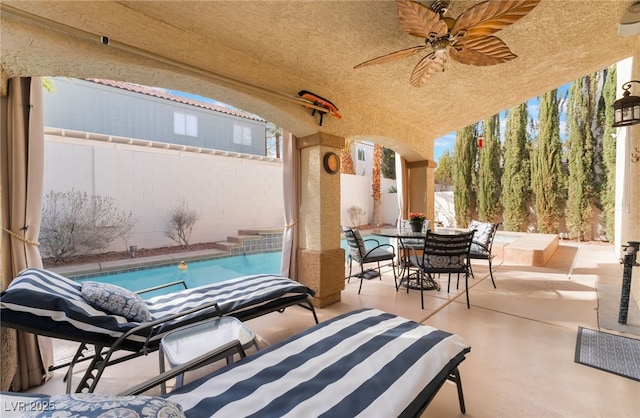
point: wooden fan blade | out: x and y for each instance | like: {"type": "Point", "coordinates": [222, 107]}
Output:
{"type": "Point", "coordinates": [429, 65]}
{"type": "Point", "coordinates": [490, 16]}
{"type": "Point", "coordinates": [488, 50]}
{"type": "Point", "coordinates": [418, 20]}
{"type": "Point", "coordinates": [392, 56]}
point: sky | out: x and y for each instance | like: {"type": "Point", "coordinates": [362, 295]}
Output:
{"type": "Point", "coordinates": [447, 142]}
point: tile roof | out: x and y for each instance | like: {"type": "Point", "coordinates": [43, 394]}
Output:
{"type": "Point", "coordinates": [163, 94]}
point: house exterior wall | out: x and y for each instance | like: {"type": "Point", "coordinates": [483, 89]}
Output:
{"type": "Point", "coordinates": [362, 156]}
{"type": "Point", "coordinates": [88, 106]}
{"type": "Point", "coordinates": [627, 220]}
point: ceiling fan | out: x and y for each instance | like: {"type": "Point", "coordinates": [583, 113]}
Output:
{"type": "Point", "coordinates": [467, 39]}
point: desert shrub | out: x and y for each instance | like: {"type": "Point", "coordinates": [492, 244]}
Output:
{"type": "Point", "coordinates": [74, 223]}
{"type": "Point", "coordinates": [181, 221]}
{"type": "Point", "coordinates": [356, 213]}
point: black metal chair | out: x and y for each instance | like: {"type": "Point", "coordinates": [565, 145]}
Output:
{"type": "Point", "coordinates": [483, 243]}
{"type": "Point", "coordinates": [362, 255]}
{"type": "Point", "coordinates": [443, 253]}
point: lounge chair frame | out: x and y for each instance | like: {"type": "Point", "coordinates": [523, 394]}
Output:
{"type": "Point", "coordinates": [136, 338]}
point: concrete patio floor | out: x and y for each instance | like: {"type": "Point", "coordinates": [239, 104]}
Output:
{"type": "Point", "coordinates": [522, 336]}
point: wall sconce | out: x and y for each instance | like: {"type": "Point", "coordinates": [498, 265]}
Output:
{"type": "Point", "coordinates": [626, 111]}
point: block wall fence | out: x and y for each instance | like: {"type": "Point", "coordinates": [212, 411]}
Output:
{"type": "Point", "coordinates": [229, 191]}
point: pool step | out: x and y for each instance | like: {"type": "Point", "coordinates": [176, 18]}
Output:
{"type": "Point", "coordinates": [226, 245]}
{"type": "Point", "coordinates": [252, 241]}
{"type": "Point", "coordinates": [237, 244]}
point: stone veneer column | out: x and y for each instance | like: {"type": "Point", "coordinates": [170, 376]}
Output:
{"type": "Point", "coordinates": [320, 257]}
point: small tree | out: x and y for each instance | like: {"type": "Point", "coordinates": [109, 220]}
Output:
{"type": "Point", "coordinates": [74, 223]}
{"type": "Point", "coordinates": [181, 223]}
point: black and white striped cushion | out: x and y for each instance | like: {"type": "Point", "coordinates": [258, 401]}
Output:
{"type": "Point", "coordinates": [49, 304]}
{"type": "Point", "coordinates": [364, 363]}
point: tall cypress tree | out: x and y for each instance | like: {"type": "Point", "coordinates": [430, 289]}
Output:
{"type": "Point", "coordinates": [388, 166]}
{"type": "Point", "coordinates": [607, 189]}
{"type": "Point", "coordinates": [580, 158]}
{"type": "Point", "coordinates": [546, 166]}
{"type": "Point", "coordinates": [444, 172]}
{"type": "Point", "coordinates": [489, 172]}
{"type": "Point", "coordinates": [464, 153]}
{"type": "Point", "coordinates": [516, 178]}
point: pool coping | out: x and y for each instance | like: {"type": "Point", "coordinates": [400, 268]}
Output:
{"type": "Point", "coordinates": [82, 271]}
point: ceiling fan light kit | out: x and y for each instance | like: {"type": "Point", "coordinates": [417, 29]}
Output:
{"type": "Point", "coordinates": [630, 22]}
{"type": "Point", "coordinates": [468, 39]}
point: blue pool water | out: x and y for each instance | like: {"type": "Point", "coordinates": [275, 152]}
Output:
{"type": "Point", "coordinates": [199, 273]}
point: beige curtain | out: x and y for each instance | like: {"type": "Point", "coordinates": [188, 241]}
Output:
{"type": "Point", "coordinates": [21, 172]}
{"type": "Point", "coordinates": [291, 185]}
{"type": "Point", "coordinates": [402, 184]}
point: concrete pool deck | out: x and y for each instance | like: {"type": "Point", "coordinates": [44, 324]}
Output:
{"type": "Point", "coordinates": [523, 337]}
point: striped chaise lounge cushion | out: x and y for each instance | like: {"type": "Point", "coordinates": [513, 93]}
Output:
{"type": "Point", "coordinates": [365, 363]}
{"type": "Point", "coordinates": [46, 303]}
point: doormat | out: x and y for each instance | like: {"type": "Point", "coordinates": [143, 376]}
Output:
{"type": "Point", "coordinates": [609, 352]}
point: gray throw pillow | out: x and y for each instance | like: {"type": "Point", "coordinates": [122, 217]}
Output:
{"type": "Point", "coordinates": [116, 300]}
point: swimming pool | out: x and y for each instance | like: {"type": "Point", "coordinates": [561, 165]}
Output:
{"type": "Point", "coordinates": [198, 273]}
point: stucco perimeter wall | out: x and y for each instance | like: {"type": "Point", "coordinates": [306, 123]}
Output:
{"type": "Point", "coordinates": [228, 192]}
{"type": "Point", "coordinates": [231, 193]}
{"type": "Point", "coordinates": [356, 191]}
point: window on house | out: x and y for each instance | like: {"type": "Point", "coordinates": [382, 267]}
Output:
{"type": "Point", "coordinates": [184, 124]}
{"type": "Point", "coordinates": [361, 154]}
{"type": "Point", "coordinates": [241, 135]}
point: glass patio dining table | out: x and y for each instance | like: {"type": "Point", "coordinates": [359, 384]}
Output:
{"type": "Point", "coordinates": [410, 242]}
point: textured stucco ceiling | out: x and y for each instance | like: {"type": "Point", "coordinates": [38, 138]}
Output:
{"type": "Point", "coordinates": [287, 46]}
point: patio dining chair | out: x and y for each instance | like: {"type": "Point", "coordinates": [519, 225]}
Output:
{"type": "Point", "coordinates": [362, 255]}
{"type": "Point", "coordinates": [483, 243]}
{"type": "Point", "coordinates": [443, 253]}
{"type": "Point", "coordinates": [415, 243]}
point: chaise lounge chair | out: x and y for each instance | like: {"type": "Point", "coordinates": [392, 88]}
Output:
{"type": "Point", "coordinates": [45, 303]}
{"type": "Point", "coordinates": [363, 363]}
